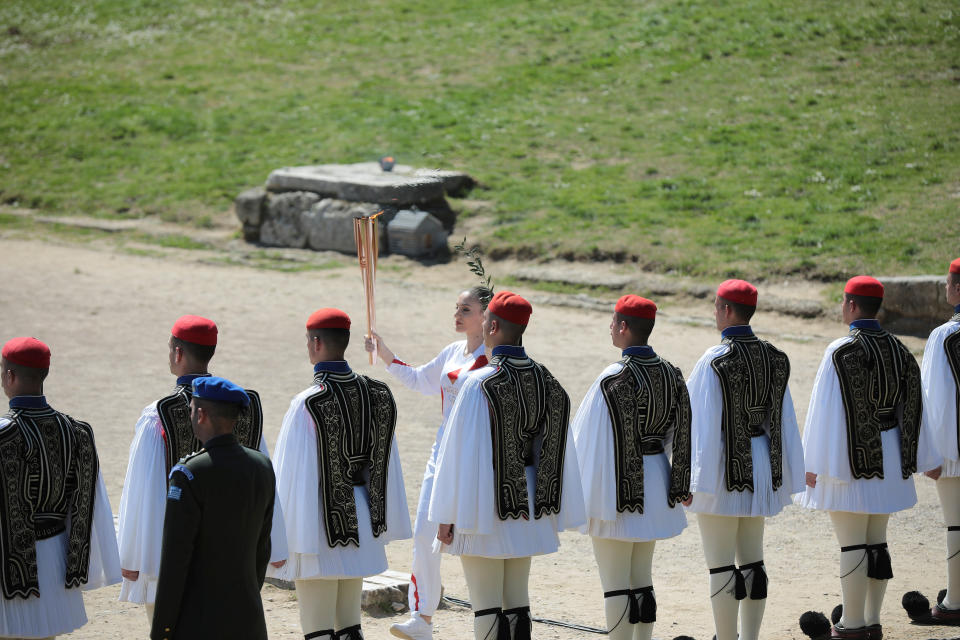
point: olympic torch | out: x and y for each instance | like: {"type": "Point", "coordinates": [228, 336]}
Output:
{"type": "Point", "coordinates": [365, 234]}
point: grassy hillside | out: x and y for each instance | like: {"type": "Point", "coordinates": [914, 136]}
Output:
{"type": "Point", "coordinates": [716, 138]}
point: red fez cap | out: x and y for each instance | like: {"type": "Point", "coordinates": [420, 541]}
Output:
{"type": "Point", "coordinates": [27, 352]}
{"type": "Point", "coordinates": [864, 286]}
{"type": "Point", "coordinates": [739, 291]}
{"type": "Point", "coordinates": [328, 318]}
{"type": "Point", "coordinates": [510, 307]}
{"type": "Point", "coordinates": [196, 330]}
{"type": "Point", "coordinates": [955, 266]}
{"type": "Point", "coordinates": [631, 305]}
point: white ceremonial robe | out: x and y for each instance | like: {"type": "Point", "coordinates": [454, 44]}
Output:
{"type": "Point", "coordinates": [940, 398]}
{"type": "Point", "coordinates": [825, 454]}
{"type": "Point", "coordinates": [463, 492]}
{"type": "Point", "coordinates": [144, 502]}
{"type": "Point", "coordinates": [593, 436]}
{"type": "Point", "coordinates": [444, 375]}
{"type": "Point", "coordinates": [59, 610]}
{"type": "Point", "coordinates": [298, 491]}
{"type": "Point", "coordinates": [708, 452]}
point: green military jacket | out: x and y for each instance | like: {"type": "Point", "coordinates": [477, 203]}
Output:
{"type": "Point", "coordinates": [216, 545]}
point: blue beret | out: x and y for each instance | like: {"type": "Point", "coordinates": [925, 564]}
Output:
{"type": "Point", "coordinates": [219, 390]}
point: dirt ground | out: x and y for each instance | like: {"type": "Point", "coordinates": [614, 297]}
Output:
{"type": "Point", "coordinates": [106, 316]}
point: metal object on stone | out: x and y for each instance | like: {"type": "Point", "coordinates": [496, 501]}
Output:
{"type": "Point", "coordinates": [416, 233]}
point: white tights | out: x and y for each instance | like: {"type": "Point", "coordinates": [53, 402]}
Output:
{"type": "Point", "coordinates": [727, 539]}
{"type": "Point", "coordinates": [329, 604]}
{"type": "Point", "coordinates": [862, 596]}
{"type": "Point", "coordinates": [495, 583]}
{"type": "Point", "coordinates": [949, 491]}
{"type": "Point", "coordinates": [624, 565]}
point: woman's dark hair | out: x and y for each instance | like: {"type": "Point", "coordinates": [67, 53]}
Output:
{"type": "Point", "coordinates": [483, 294]}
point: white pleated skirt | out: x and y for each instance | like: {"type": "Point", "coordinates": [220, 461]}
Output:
{"type": "Point", "coordinates": [350, 561]}
{"type": "Point", "coordinates": [511, 538]}
{"type": "Point", "coordinates": [141, 591]}
{"type": "Point", "coordinates": [658, 520]}
{"type": "Point", "coordinates": [57, 611]}
{"type": "Point", "coordinates": [762, 501]}
{"type": "Point", "coordinates": [951, 468]}
{"type": "Point", "coordinates": [875, 495]}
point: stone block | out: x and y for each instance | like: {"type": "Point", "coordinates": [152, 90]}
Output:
{"type": "Point", "coordinates": [249, 206]}
{"type": "Point", "coordinates": [287, 216]}
{"type": "Point", "coordinates": [415, 234]}
{"type": "Point", "coordinates": [363, 182]}
{"type": "Point", "coordinates": [914, 304]}
{"type": "Point", "coordinates": [329, 225]}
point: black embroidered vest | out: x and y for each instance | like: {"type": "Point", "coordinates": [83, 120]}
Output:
{"type": "Point", "coordinates": [355, 417]}
{"type": "Point", "coordinates": [529, 411]}
{"type": "Point", "coordinates": [951, 345]}
{"type": "Point", "coordinates": [753, 380]}
{"type": "Point", "coordinates": [648, 404]}
{"type": "Point", "coordinates": [48, 477]}
{"type": "Point", "coordinates": [879, 377]}
{"type": "Point", "coordinates": [178, 438]}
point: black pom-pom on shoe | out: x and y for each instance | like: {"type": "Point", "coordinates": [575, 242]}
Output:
{"type": "Point", "coordinates": [916, 605]}
{"type": "Point", "coordinates": [683, 638]}
{"type": "Point", "coordinates": [815, 625]}
{"type": "Point", "coordinates": [836, 614]}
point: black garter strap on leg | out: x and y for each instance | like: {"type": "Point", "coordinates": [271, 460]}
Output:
{"type": "Point", "coordinates": [648, 604]}
{"type": "Point", "coordinates": [350, 633]}
{"type": "Point", "coordinates": [855, 547]}
{"type": "Point", "coordinates": [739, 586]}
{"type": "Point", "coordinates": [502, 625]}
{"type": "Point", "coordinates": [634, 606]}
{"type": "Point", "coordinates": [317, 634]}
{"type": "Point", "coordinates": [758, 588]}
{"type": "Point", "coordinates": [955, 553]}
{"type": "Point", "coordinates": [522, 630]}
{"type": "Point", "coordinates": [878, 562]}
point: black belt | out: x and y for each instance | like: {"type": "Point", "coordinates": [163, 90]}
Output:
{"type": "Point", "coordinates": [651, 448]}
{"type": "Point", "coordinates": [49, 530]}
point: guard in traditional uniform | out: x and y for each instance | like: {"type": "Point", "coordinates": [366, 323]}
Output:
{"type": "Point", "coordinates": [216, 530]}
{"type": "Point", "coordinates": [634, 413]}
{"type": "Point", "coordinates": [163, 435]}
{"type": "Point", "coordinates": [337, 440]}
{"type": "Point", "coordinates": [507, 478]}
{"type": "Point", "coordinates": [747, 458]}
{"type": "Point", "coordinates": [56, 527]}
{"type": "Point", "coordinates": [940, 374]}
{"type": "Point", "coordinates": [863, 440]}
{"type": "Point", "coordinates": [443, 376]}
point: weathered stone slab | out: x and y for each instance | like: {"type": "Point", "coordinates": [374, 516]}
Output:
{"type": "Point", "coordinates": [362, 182]}
{"type": "Point", "coordinates": [249, 206]}
{"type": "Point", "coordinates": [287, 219]}
{"type": "Point", "coordinates": [387, 589]}
{"type": "Point", "coordinates": [914, 304]}
{"type": "Point", "coordinates": [329, 224]}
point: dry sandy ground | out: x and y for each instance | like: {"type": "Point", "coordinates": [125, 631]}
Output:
{"type": "Point", "coordinates": [107, 316]}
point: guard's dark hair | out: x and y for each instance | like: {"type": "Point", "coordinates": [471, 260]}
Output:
{"type": "Point", "coordinates": [742, 311]}
{"type": "Point", "coordinates": [335, 339]}
{"type": "Point", "coordinates": [481, 293]}
{"type": "Point", "coordinates": [640, 328]}
{"type": "Point", "coordinates": [511, 330]}
{"type": "Point", "coordinates": [219, 412]}
{"type": "Point", "coordinates": [32, 376]}
{"type": "Point", "coordinates": [202, 353]}
{"type": "Point", "coordinates": [868, 304]}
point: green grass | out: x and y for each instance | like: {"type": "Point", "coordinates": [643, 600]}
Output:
{"type": "Point", "coordinates": [749, 138]}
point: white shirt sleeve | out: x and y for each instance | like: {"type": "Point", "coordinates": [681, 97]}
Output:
{"type": "Point", "coordinates": [425, 379]}
{"type": "Point", "coordinates": [143, 501]}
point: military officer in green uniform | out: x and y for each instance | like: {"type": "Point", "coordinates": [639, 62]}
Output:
{"type": "Point", "coordinates": [216, 531]}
